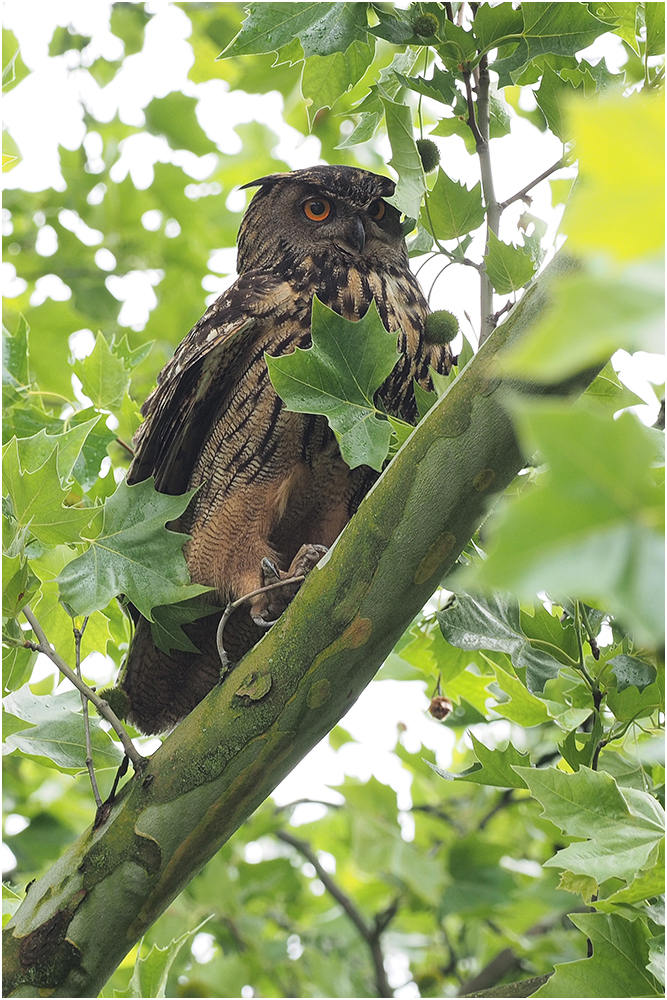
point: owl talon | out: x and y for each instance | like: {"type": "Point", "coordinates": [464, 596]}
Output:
{"type": "Point", "coordinates": [262, 622]}
{"type": "Point", "coordinates": [270, 572]}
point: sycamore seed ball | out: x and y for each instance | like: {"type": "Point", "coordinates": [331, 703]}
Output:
{"type": "Point", "coordinates": [117, 699]}
{"type": "Point", "coordinates": [429, 153]}
{"type": "Point", "coordinates": [425, 25]}
{"type": "Point", "coordinates": [441, 327]}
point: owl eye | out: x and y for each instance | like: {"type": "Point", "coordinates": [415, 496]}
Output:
{"type": "Point", "coordinates": [377, 209]}
{"type": "Point", "coordinates": [317, 209]}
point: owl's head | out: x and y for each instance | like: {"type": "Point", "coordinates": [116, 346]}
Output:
{"type": "Point", "coordinates": [319, 213]}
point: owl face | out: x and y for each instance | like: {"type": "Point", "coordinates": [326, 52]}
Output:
{"type": "Point", "coordinates": [320, 213]}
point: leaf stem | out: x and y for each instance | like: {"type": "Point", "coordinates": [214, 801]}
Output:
{"type": "Point", "coordinates": [102, 706]}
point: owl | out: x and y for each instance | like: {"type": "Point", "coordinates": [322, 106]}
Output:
{"type": "Point", "coordinates": [272, 489]}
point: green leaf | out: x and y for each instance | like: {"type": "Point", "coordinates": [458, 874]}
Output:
{"type": "Point", "coordinates": [607, 390]}
{"type": "Point", "coordinates": [174, 117]}
{"type": "Point", "coordinates": [168, 620]}
{"type": "Point", "coordinates": [495, 767]}
{"type": "Point", "coordinates": [441, 87]}
{"type": "Point", "coordinates": [629, 670]}
{"type": "Point", "coordinates": [36, 450]}
{"type": "Point", "coordinates": [624, 826]}
{"type": "Point", "coordinates": [149, 978]}
{"type": "Point", "coordinates": [654, 14]}
{"type": "Point", "coordinates": [56, 736]}
{"type": "Point", "coordinates": [326, 78]}
{"type": "Point", "coordinates": [617, 967]}
{"type": "Point", "coordinates": [549, 27]}
{"type": "Point", "coordinates": [586, 886]}
{"type": "Point", "coordinates": [583, 530]}
{"type": "Point", "coordinates": [134, 554]}
{"type": "Point", "coordinates": [577, 756]}
{"type": "Point", "coordinates": [338, 377]}
{"type": "Point", "coordinates": [128, 22]}
{"type": "Point", "coordinates": [451, 209]}
{"type": "Point", "coordinates": [634, 704]}
{"type": "Point", "coordinates": [553, 97]}
{"type": "Point", "coordinates": [492, 24]}
{"type": "Point", "coordinates": [648, 883]}
{"type": "Point", "coordinates": [103, 374]}
{"type": "Point", "coordinates": [18, 585]}
{"type": "Point", "coordinates": [405, 159]}
{"type": "Point", "coordinates": [522, 706]}
{"type": "Point", "coordinates": [508, 267]}
{"type": "Point", "coordinates": [456, 125]}
{"type": "Point", "coordinates": [322, 28]}
{"type": "Point", "coordinates": [494, 624]}
{"type": "Point", "coordinates": [37, 499]}
{"type": "Point", "coordinates": [15, 355]}
{"type": "Point", "coordinates": [17, 663]}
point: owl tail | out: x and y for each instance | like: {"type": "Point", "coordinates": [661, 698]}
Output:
{"type": "Point", "coordinates": [163, 689]}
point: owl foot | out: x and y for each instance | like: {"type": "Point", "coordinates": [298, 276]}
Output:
{"type": "Point", "coordinates": [267, 608]}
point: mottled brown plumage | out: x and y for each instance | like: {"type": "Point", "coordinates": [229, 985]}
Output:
{"type": "Point", "coordinates": [270, 482]}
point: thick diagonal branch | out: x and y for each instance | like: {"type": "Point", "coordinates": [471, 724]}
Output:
{"type": "Point", "coordinates": [79, 920]}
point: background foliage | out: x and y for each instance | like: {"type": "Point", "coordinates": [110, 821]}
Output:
{"type": "Point", "coordinates": [565, 817]}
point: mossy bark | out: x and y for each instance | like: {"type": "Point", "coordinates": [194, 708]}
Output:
{"type": "Point", "coordinates": [78, 921]}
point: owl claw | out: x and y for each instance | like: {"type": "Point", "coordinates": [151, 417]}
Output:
{"type": "Point", "coordinates": [262, 622]}
{"type": "Point", "coordinates": [270, 572]}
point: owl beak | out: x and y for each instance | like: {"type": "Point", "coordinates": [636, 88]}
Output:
{"type": "Point", "coordinates": [356, 234]}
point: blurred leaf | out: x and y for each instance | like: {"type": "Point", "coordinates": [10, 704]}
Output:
{"type": "Point", "coordinates": [174, 117]}
{"type": "Point", "coordinates": [134, 554]}
{"type": "Point", "coordinates": [15, 355]}
{"type": "Point", "coordinates": [583, 529]}
{"type": "Point", "coordinates": [338, 377]}
{"type": "Point", "coordinates": [592, 316]}
{"type": "Point", "coordinates": [149, 978]}
{"type": "Point", "coordinates": [128, 22]}
{"type": "Point", "coordinates": [620, 193]}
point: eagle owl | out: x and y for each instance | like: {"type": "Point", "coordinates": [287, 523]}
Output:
{"type": "Point", "coordinates": [272, 489]}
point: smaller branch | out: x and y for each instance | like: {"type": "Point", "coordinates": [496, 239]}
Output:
{"type": "Point", "coordinates": [449, 10]}
{"type": "Point", "coordinates": [102, 706]}
{"type": "Point", "coordinates": [78, 636]}
{"type": "Point", "coordinates": [307, 802]}
{"type": "Point", "coordinates": [472, 121]}
{"type": "Point", "coordinates": [506, 799]}
{"type": "Point", "coordinates": [126, 446]}
{"type": "Point", "coordinates": [440, 814]}
{"type": "Point", "coordinates": [370, 935]}
{"type": "Point", "coordinates": [233, 605]}
{"type": "Point", "coordinates": [524, 190]}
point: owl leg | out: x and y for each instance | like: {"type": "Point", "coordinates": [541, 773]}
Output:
{"type": "Point", "coordinates": [267, 608]}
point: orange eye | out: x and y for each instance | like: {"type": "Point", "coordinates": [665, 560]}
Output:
{"type": "Point", "coordinates": [377, 210]}
{"type": "Point", "coordinates": [317, 209]}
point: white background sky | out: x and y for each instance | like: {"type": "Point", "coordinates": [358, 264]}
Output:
{"type": "Point", "coordinates": [45, 109]}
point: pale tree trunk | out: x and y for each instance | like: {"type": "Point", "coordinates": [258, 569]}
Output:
{"type": "Point", "coordinates": [77, 922]}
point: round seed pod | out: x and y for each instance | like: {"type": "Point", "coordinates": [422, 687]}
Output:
{"type": "Point", "coordinates": [440, 707]}
{"type": "Point", "coordinates": [425, 25]}
{"type": "Point", "coordinates": [441, 327]}
{"type": "Point", "coordinates": [117, 699]}
{"type": "Point", "coordinates": [429, 153]}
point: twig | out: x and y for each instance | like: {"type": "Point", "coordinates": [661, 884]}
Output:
{"type": "Point", "coordinates": [308, 802]}
{"type": "Point", "coordinates": [78, 636]}
{"type": "Point", "coordinates": [126, 446]}
{"type": "Point", "coordinates": [524, 190]}
{"type": "Point", "coordinates": [506, 799]}
{"type": "Point", "coordinates": [233, 605]}
{"type": "Point", "coordinates": [102, 706]}
{"type": "Point", "coordinates": [371, 935]}
{"type": "Point", "coordinates": [481, 134]}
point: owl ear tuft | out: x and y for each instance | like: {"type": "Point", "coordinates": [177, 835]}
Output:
{"type": "Point", "coordinates": [267, 181]}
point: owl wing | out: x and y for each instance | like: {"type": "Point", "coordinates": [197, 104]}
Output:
{"type": "Point", "coordinates": [194, 386]}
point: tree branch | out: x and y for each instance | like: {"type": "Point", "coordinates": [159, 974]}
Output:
{"type": "Point", "coordinates": [79, 920]}
{"type": "Point", "coordinates": [103, 707]}
{"type": "Point", "coordinates": [371, 935]}
{"type": "Point", "coordinates": [524, 190]}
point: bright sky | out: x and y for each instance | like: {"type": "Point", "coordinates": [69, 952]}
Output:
{"type": "Point", "coordinates": [45, 110]}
